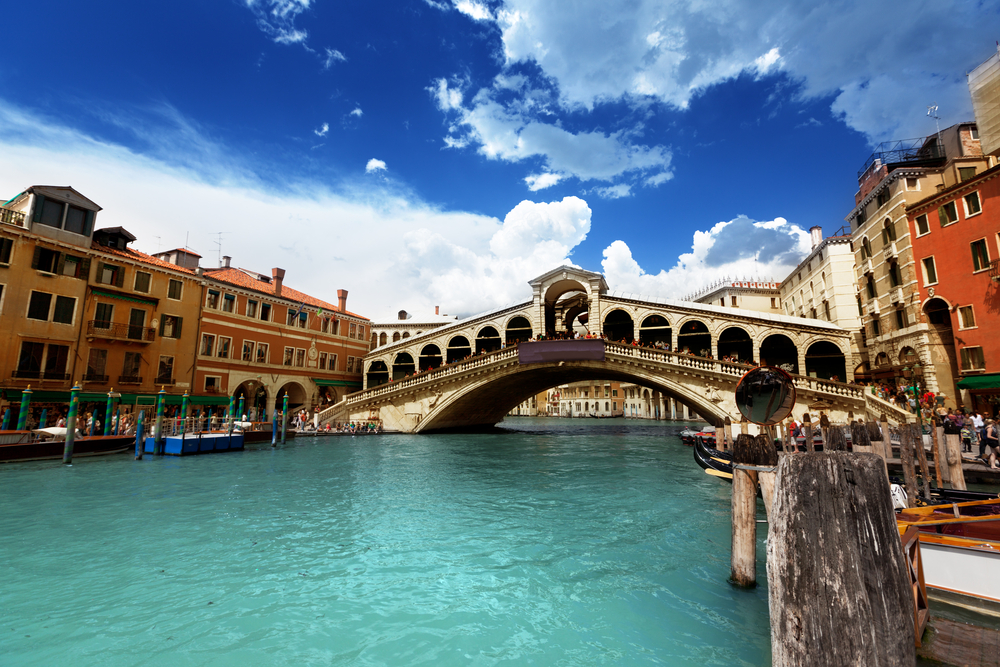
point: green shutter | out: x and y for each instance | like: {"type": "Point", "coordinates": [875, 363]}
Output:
{"type": "Point", "coordinates": [61, 264]}
{"type": "Point", "coordinates": [163, 321]}
{"type": "Point", "coordinates": [38, 254]}
{"type": "Point", "coordinates": [85, 268]}
{"type": "Point", "coordinates": [120, 277]}
{"type": "Point", "coordinates": [36, 215]}
{"type": "Point", "coordinates": [177, 329]}
{"type": "Point", "coordinates": [942, 216]}
{"type": "Point", "coordinates": [88, 224]}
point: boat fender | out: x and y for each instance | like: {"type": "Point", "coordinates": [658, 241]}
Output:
{"type": "Point", "coordinates": [898, 497]}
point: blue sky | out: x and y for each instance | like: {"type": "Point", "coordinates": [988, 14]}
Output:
{"type": "Point", "coordinates": [444, 152]}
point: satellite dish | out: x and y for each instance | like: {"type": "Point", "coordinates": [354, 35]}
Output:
{"type": "Point", "coordinates": [765, 395]}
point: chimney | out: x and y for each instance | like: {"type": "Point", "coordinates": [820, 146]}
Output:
{"type": "Point", "coordinates": [225, 261]}
{"type": "Point", "coordinates": [342, 300]}
{"type": "Point", "coordinates": [437, 310]}
{"type": "Point", "coordinates": [277, 275]}
{"type": "Point", "coordinates": [817, 235]}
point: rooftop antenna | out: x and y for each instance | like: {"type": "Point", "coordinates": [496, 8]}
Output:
{"type": "Point", "coordinates": [218, 242]}
{"type": "Point", "coordinates": [932, 111]}
{"type": "Point", "coordinates": [157, 244]}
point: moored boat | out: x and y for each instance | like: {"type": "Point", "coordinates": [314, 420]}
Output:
{"type": "Point", "coordinates": [49, 443]}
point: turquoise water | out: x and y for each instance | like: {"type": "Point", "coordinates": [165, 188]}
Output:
{"type": "Point", "coordinates": [550, 542]}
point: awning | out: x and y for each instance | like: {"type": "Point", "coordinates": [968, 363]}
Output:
{"type": "Point", "coordinates": [986, 381]}
{"type": "Point", "coordinates": [14, 396]}
{"type": "Point", "coordinates": [322, 382]}
{"type": "Point", "coordinates": [123, 297]}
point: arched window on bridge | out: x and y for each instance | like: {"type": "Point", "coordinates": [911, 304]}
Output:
{"type": "Point", "coordinates": [406, 334]}
{"type": "Point", "coordinates": [694, 338]}
{"type": "Point", "coordinates": [824, 360]}
{"type": "Point", "coordinates": [779, 350]}
{"type": "Point", "coordinates": [882, 360]}
{"type": "Point", "coordinates": [458, 348]}
{"type": "Point", "coordinates": [488, 340]}
{"type": "Point", "coordinates": [618, 327]}
{"type": "Point", "coordinates": [383, 339]}
{"type": "Point", "coordinates": [395, 337]}
{"type": "Point", "coordinates": [656, 329]}
{"type": "Point", "coordinates": [518, 330]}
{"type": "Point", "coordinates": [734, 342]}
{"type": "Point", "coordinates": [430, 357]}
{"type": "Point", "coordinates": [378, 373]}
{"type": "Point", "coordinates": [403, 366]}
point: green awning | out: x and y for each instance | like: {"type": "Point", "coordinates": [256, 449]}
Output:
{"type": "Point", "coordinates": [986, 381]}
{"type": "Point", "coordinates": [14, 396]}
{"type": "Point", "coordinates": [321, 382]}
{"type": "Point", "coordinates": [124, 297]}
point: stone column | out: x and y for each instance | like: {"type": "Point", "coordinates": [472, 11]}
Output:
{"type": "Point", "coordinates": [756, 352]}
{"type": "Point", "coordinates": [270, 403]}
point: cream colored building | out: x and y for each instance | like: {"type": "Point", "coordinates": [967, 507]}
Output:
{"type": "Point", "coordinates": [590, 398]}
{"type": "Point", "coordinates": [984, 86]}
{"type": "Point", "coordinates": [824, 286]}
{"type": "Point", "coordinates": [756, 294]}
{"type": "Point", "coordinates": [897, 174]}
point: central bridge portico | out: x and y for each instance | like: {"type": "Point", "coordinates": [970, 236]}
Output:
{"type": "Point", "coordinates": [468, 373]}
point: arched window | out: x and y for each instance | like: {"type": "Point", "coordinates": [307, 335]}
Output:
{"type": "Point", "coordinates": [888, 232]}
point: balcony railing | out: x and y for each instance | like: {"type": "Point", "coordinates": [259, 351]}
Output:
{"type": "Point", "coordinates": [39, 375]}
{"type": "Point", "coordinates": [129, 379]}
{"type": "Point", "coordinates": [995, 270]}
{"type": "Point", "coordinates": [96, 379]}
{"type": "Point", "coordinates": [9, 217]}
{"type": "Point", "coordinates": [911, 152]}
{"type": "Point", "coordinates": [164, 380]}
{"type": "Point", "coordinates": [121, 331]}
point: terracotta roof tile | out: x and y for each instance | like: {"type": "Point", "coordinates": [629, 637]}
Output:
{"type": "Point", "coordinates": [241, 278]}
{"type": "Point", "coordinates": [137, 256]}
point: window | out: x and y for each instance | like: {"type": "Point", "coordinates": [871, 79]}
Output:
{"type": "Point", "coordinates": [70, 266]}
{"type": "Point", "coordinates": [614, 393]}
{"type": "Point", "coordinates": [289, 354]}
{"type": "Point", "coordinates": [352, 332]}
{"type": "Point", "coordinates": [248, 349]}
{"type": "Point", "coordinates": [29, 363]}
{"type": "Point", "coordinates": [303, 319]}
{"type": "Point", "coordinates": [975, 133]}
{"type": "Point", "coordinates": [76, 220]}
{"type": "Point", "coordinates": [300, 357]}
{"type": "Point", "coordinates": [322, 361]}
{"type": "Point", "coordinates": [142, 282]}
{"type": "Point", "coordinates": [170, 326]}
{"type": "Point", "coordinates": [38, 306]}
{"type": "Point", "coordinates": [732, 301]}
{"type": "Point", "coordinates": [980, 255]}
{"type": "Point", "coordinates": [213, 383]}
{"type": "Point", "coordinates": [966, 173]}
{"type": "Point", "coordinates": [207, 344]}
{"type": "Point", "coordinates": [262, 353]}
{"type": "Point", "coordinates": [882, 197]}
{"type": "Point", "coordinates": [870, 287]}
{"type": "Point", "coordinates": [6, 246]}
{"type": "Point", "coordinates": [774, 302]}
{"type": "Point", "coordinates": [109, 274]}
{"type": "Point", "coordinates": [97, 365]}
{"type": "Point", "coordinates": [174, 289]}
{"type": "Point", "coordinates": [63, 312]}
{"type": "Point", "coordinates": [55, 362]}
{"type": "Point", "coordinates": [900, 318]}
{"type": "Point", "coordinates": [265, 312]}
{"type": "Point", "coordinates": [895, 277]}
{"type": "Point", "coordinates": [49, 212]}
{"type": "Point", "coordinates": [966, 317]}
{"type": "Point", "coordinates": [165, 370]}
{"type": "Point", "coordinates": [930, 273]}
{"type": "Point", "coordinates": [972, 359]}
{"type": "Point", "coordinates": [251, 308]}
{"type": "Point", "coordinates": [876, 330]}
{"type": "Point", "coordinates": [223, 350]}
{"type": "Point", "coordinates": [912, 184]}
{"type": "Point", "coordinates": [862, 216]}
{"type": "Point", "coordinates": [325, 325]}
{"type": "Point", "coordinates": [131, 367]}
{"type": "Point", "coordinates": [866, 248]}
{"type": "Point", "coordinates": [45, 260]}
{"type": "Point", "coordinates": [888, 232]}
{"type": "Point", "coordinates": [826, 310]}
{"type": "Point", "coordinates": [212, 301]}
{"type": "Point", "coordinates": [922, 226]}
{"type": "Point", "coordinates": [948, 214]}
{"type": "Point", "coordinates": [60, 215]}
{"type": "Point", "coordinates": [229, 303]}
{"type": "Point", "coordinates": [972, 205]}
{"type": "Point", "coordinates": [103, 314]}
{"type": "Point", "coordinates": [350, 364]}
{"type": "Point", "coordinates": [361, 332]}
{"type": "Point", "coordinates": [332, 366]}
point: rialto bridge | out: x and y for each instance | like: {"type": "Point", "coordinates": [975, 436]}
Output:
{"type": "Point", "coordinates": [470, 373]}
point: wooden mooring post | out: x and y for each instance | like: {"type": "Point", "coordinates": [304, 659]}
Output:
{"type": "Point", "coordinates": [940, 469]}
{"type": "Point", "coordinates": [807, 432]}
{"type": "Point", "coordinates": [838, 585]}
{"type": "Point", "coordinates": [953, 455]}
{"type": "Point", "coordinates": [754, 452]}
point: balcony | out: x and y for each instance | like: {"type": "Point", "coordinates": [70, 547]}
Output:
{"type": "Point", "coordinates": [91, 378]}
{"type": "Point", "coordinates": [995, 270]}
{"type": "Point", "coordinates": [9, 217]}
{"type": "Point", "coordinates": [164, 380]}
{"type": "Point", "coordinates": [116, 331]}
{"type": "Point", "coordinates": [872, 307]}
{"type": "Point", "coordinates": [897, 295]}
{"type": "Point", "coordinates": [129, 379]}
{"type": "Point", "coordinates": [39, 375]}
{"type": "Point", "coordinates": [867, 266]}
{"type": "Point", "coordinates": [919, 152]}
{"type": "Point", "coordinates": [890, 251]}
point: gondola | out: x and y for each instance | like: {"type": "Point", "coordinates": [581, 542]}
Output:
{"type": "Point", "coordinates": [714, 462]}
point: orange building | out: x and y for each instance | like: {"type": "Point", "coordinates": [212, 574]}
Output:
{"type": "Point", "coordinates": [260, 339]}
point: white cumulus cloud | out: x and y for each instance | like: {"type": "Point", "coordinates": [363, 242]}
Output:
{"type": "Point", "coordinates": [374, 165]}
{"type": "Point", "coordinates": [323, 129]}
{"type": "Point", "coordinates": [357, 112]}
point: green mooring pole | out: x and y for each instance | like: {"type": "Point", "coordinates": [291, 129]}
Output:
{"type": "Point", "coordinates": [240, 411]}
{"type": "Point", "coordinates": [74, 405]}
{"type": "Point", "coordinates": [22, 417]}
{"type": "Point", "coordinates": [107, 413]}
{"type": "Point", "coordinates": [230, 415]}
{"type": "Point", "coordinates": [284, 416]}
{"type": "Point", "coordinates": [184, 412]}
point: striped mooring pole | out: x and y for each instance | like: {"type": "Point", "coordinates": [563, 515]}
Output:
{"type": "Point", "coordinates": [284, 416]}
{"type": "Point", "coordinates": [107, 412]}
{"type": "Point", "coordinates": [184, 412]}
{"type": "Point", "coordinates": [139, 444]}
{"type": "Point", "coordinates": [161, 398]}
{"type": "Point", "coordinates": [22, 417]}
{"type": "Point", "coordinates": [229, 414]}
{"type": "Point", "coordinates": [274, 428]}
{"type": "Point", "coordinates": [240, 411]}
{"type": "Point", "coordinates": [6, 420]}
{"type": "Point", "coordinates": [74, 405]}
{"type": "Point", "coordinates": [43, 418]}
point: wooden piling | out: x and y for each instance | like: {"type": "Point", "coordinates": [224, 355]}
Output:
{"type": "Point", "coordinates": [836, 441]}
{"type": "Point", "coordinates": [860, 441]}
{"type": "Point", "coordinates": [727, 428]}
{"type": "Point", "coordinates": [837, 578]}
{"type": "Point", "coordinates": [906, 436]}
{"type": "Point", "coordinates": [953, 454]}
{"type": "Point", "coordinates": [807, 432]}
{"type": "Point", "coordinates": [747, 450]}
{"type": "Point", "coordinates": [925, 471]}
{"type": "Point", "coordinates": [940, 467]}
{"type": "Point", "coordinates": [769, 457]}
{"type": "Point", "coordinates": [720, 439]}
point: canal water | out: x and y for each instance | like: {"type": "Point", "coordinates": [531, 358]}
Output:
{"type": "Point", "coordinates": [545, 542]}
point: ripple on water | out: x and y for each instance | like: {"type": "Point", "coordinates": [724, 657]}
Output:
{"type": "Point", "coordinates": [548, 543]}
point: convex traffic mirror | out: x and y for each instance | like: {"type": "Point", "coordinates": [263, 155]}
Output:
{"type": "Point", "coordinates": [765, 395]}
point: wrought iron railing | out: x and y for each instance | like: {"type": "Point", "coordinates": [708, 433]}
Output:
{"type": "Point", "coordinates": [99, 379]}
{"type": "Point", "coordinates": [921, 149]}
{"type": "Point", "coordinates": [164, 380]}
{"type": "Point", "coordinates": [39, 375]}
{"type": "Point", "coordinates": [129, 379]}
{"type": "Point", "coordinates": [9, 217]}
{"type": "Point", "coordinates": [995, 270]}
{"type": "Point", "coordinates": [121, 331]}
